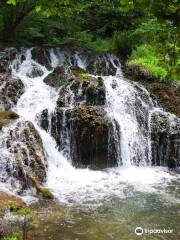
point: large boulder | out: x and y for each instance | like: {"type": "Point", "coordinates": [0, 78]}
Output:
{"type": "Point", "coordinates": [22, 157]}
{"type": "Point", "coordinates": [85, 134]}
{"type": "Point", "coordinates": [59, 76]}
{"type": "Point", "coordinates": [79, 123]}
{"type": "Point", "coordinates": [165, 139]}
{"type": "Point", "coordinates": [76, 87]}
{"type": "Point", "coordinates": [10, 91]}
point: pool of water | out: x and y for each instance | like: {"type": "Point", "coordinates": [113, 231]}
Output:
{"type": "Point", "coordinates": [153, 206]}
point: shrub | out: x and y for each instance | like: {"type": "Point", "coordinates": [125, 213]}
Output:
{"type": "Point", "coordinates": [148, 57]}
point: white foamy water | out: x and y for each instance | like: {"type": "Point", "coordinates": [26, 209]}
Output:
{"type": "Point", "coordinates": [71, 185]}
{"type": "Point", "coordinates": [38, 95]}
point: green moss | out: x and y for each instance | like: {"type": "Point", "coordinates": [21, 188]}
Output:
{"type": "Point", "coordinates": [84, 76]}
{"type": "Point", "coordinates": [46, 193]}
{"type": "Point", "coordinates": [9, 115]}
{"type": "Point", "coordinates": [81, 75]}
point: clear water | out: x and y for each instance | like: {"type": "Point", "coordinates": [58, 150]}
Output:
{"type": "Point", "coordinates": [105, 204]}
{"type": "Point", "coordinates": [115, 216]}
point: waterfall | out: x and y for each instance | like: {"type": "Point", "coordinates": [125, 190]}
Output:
{"type": "Point", "coordinates": [128, 106]}
{"type": "Point", "coordinates": [121, 106]}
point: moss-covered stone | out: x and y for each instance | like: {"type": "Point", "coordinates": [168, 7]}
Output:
{"type": "Point", "coordinates": [6, 117]}
{"type": "Point", "coordinates": [138, 73]}
{"type": "Point", "coordinates": [45, 192]}
{"type": "Point", "coordinates": [58, 77]}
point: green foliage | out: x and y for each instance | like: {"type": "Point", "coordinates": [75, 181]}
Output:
{"type": "Point", "coordinates": [101, 26]}
{"type": "Point", "coordinates": [85, 76]}
{"type": "Point", "coordinates": [27, 220]}
{"type": "Point", "coordinates": [151, 59]}
{"type": "Point", "coordinates": [164, 38]}
{"type": "Point", "coordinates": [86, 41]}
{"type": "Point", "coordinates": [23, 220]}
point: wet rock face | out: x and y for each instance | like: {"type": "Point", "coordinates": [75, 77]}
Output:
{"type": "Point", "coordinates": [95, 63]}
{"type": "Point", "coordinates": [10, 91]}
{"type": "Point", "coordinates": [59, 76]}
{"type": "Point", "coordinates": [79, 123]}
{"type": "Point", "coordinates": [99, 64]}
{"type": "Point", "coordinates": [42, 56]}
{"type": "Point", "coordinates": [24, 156]}
{"type": "Point", "coordinates": [84, 133]}
{"type": "Point", "coordinates": [165, 137]}
{"type": "Point", "coordinates": [167, 95]}
{"type": "Point", "coordinates": [35, 72]}
{"type": "Point", "coordinates": [6, 57]}
{"type": "Point", "coordinates": [76, 87]}
{"type": "Point", "coordinates": [88, 130]}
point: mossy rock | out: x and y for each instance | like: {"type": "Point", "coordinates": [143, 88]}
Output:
{"type": "Point", "coordinates": [58, 77]}
{"type": "Point", "coordinates": [45, 192]}
{"type": "Point", "coordinates": [84, 87]}
{"type": "Point", "coordinates": [6, 117]}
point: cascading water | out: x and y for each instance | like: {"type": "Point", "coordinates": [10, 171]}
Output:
{"type": "Point", "coordinates": [84, 185]}
{"type": "Point", "coordinates": [121, 105]}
